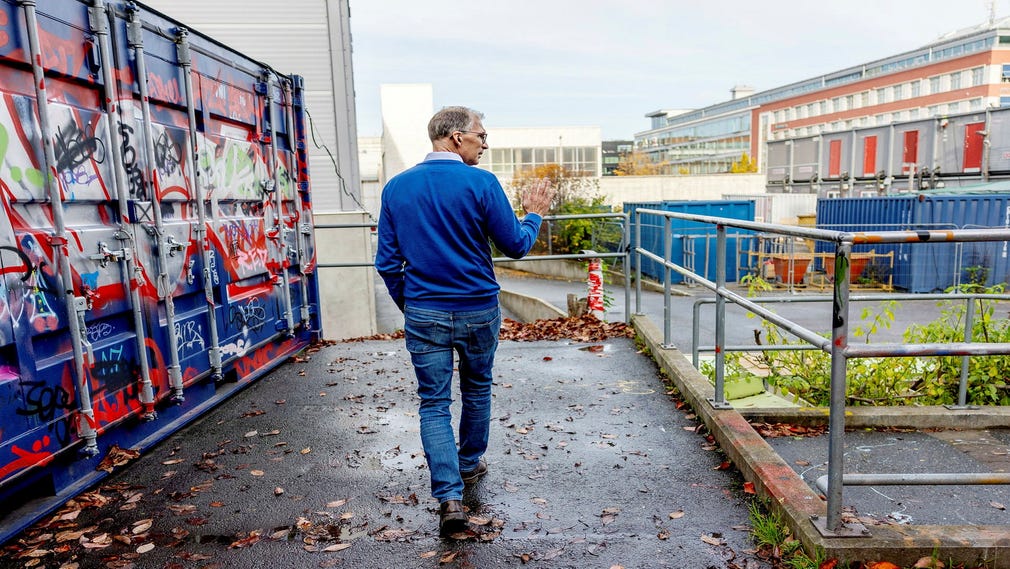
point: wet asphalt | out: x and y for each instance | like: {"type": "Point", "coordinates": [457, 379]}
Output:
{"type": "Point", "coordinates": [591, 465]}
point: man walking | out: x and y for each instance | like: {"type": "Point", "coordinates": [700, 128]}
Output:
{"type": "Point", "coordinates": [436, 222]}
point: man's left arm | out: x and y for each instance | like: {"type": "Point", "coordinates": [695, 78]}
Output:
{"type": "Point", "coordinates": [389, 261]}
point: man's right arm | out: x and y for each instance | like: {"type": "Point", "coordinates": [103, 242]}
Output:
{"type": "Point", "coordinates": [389, 261]}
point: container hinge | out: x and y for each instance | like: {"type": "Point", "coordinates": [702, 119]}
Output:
{"type": "Point", "coordinates": [81, 305]}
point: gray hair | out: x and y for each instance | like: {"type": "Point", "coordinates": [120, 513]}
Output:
{"type": "Point", "coordinates": [450, 120]}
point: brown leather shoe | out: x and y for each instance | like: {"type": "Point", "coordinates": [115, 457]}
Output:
{"type": "Point", "coordinates": [471, 476]}
{"type": "Point", "coordinates": [452, 518]}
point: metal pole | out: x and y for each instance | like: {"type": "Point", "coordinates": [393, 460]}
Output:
{"type": "Point", "coordinates": [133, 274]}
{"type": "Point", "coordinates": [280, 228]}
{"type": "Point", "coordinates": [203, 244]}
{"type": "Point", "coordinates": [638, 263]}
{"type": "Point", "coordinates": [164, 244]}
{"type": "Point", "coordinates": [696, 333]}
{"type": "Point", "coordinates": [969, 336]}
{"type": "Point", "coordinates": [627, 269]}
{"type": "Point", "coordinates": [836, 414]}
{"type": "Point", "coordinates": [720, 318]}
{"type": "Point", "coordinates": [75, 305]}
{"type": "Point", "coordinates": [667, 301]}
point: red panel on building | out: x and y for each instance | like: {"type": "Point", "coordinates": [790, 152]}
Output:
{"type": "Point", "coordinates": [835, 158]}
{"type": "Point", "coordinates": [973, 147]}
{"type": "Point", "coordinates": [910, 151]}
{"type": "Point", "coordinates": [869, 155]}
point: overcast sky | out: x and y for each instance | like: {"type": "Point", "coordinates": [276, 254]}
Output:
{"type": "Point", "coordinates": [607, 63]}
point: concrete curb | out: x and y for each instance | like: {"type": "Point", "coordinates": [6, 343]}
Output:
{"type": "Point", "coordinates": [528, 308]}
{"type": "Point", "coordinates": [784, 490]}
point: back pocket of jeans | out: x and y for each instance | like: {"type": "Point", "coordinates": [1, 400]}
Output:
{"type": "Point", "coordinates": [483, 337]}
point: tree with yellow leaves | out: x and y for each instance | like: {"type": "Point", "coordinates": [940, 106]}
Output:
{"type": "Point", "coordinates": [744, 165]}
{"type": "Point", "coordinates": [639, 164]}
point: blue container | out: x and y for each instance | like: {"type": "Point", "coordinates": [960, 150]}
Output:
{"type": "Point", "coordinates": [693, 243]}
{"type": "Point", "coordinates": [926, 267]}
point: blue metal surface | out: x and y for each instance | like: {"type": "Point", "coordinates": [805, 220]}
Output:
{"type": "Point", "coordinates": [690, 235]}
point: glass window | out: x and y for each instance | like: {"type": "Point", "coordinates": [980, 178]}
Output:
{"type": "Point", "coordinates": [898, 91]}
{"type": "Point", "coordinates": [850, 101]}
{"type": "Point", "coordinates": [954, 107]}
{"type": "Point", "coordinates": [864, 99]}
{"type": "Point", "coordinates": [836, 104]}
{"type": "Point", "coordinates": [933, 110]}
{"type": "Point", "coordinates": [934, 83]}
{"type": "Point", "coordinates": [955, 80]}
{"type": "Point", "coordinates": [913, 114]}
{"type": "Point", "coordinates": [825, 107]}
{"type": "Point", "coordinates": [916, 88]}
{"type": "Point", "coordinates": [881, 96]}
{"type": "Point", "coordinates": [976, 104]}
{"type": "Point", "coordinates": [977, 76]}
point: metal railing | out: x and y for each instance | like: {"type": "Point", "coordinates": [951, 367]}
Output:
{"type": "Point", "coordinates": [624, 254]}
{"type": "Point", "coordinates": [837, 345]}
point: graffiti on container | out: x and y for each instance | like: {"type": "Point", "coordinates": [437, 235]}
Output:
{"type": "Point", "coordinates": [230, 166]}
{"type": "Point", "coordinates": [73, 148]}
{"type": "Point", "coordinates": [8, 373]}
{"type": "Point", "coordinates": [98, 331]}
{"type": "Point", "coordinates": [212, 264]}
{"type": "Point", "coordinates": [258, 360]}
{"type": "Point", "coordinates": [31, 290]}
{"type": "Point", "coordinates": [163, 90]}
{"type": "Point", "coordinates": [189, 335]}
{"type": "Point", "coordinates": [42, 402]}
{"type": "Point", "coordinates": [26, 458]}
{"type": "Point", "coordinates": [167, 154]}
{"type": "Point", "coordinates": [131, 163]}
{"type": "Point", "coordinates": [112, 369]}
{"type": "Point", "coordinates": [250, 317]}
{"type": "Point", "coordinates": [246, 245]}
{"type": "Point", "coordinates": [236, 348]}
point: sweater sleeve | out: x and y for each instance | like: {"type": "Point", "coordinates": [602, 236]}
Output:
{"type": "Point", "coordinates": [512, 236]}
{"type": "Point", "coordinates": [389, 260]}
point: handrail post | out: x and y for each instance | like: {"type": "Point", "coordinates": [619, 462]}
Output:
{"type": "Point", "coordinates": [969, 335]}
{"type": "Point", "coordinates": [696, 332]}
{"type": "Point", "coordinates": [667, 308]}
{"type": "Point", "coordinates": [836, 416]}
{"type": "Point", "coordinates": [627, 269]}
{"type": "Point", "coordinates": [720, 316]}
{"type": "Point", "coordinates": [638, 263]}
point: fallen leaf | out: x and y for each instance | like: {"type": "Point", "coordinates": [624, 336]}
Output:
{"type": "Point", "coordinates": [548, 358]}
{"type": "Point", "coordinates": [251, 434]}
{"type": "Point", "coordinates": [336, 503]}
{"type": "Point", "coordinates": [253, 537]}
{"type": "Point", "coordinates": [257, 472]}
{"type": "Point", "coordinates": [663, 535]}
{"type": "Point", "coordinates": [278, 491]}
{"type": "Point", "coordinates": [997, 505]}
{"type": "Point", "coordinates": [336, 547]}
{"type": "Point", "coordinates": [145, 548]}
{"type": "Point", "coordinates": [116, 457]}
{"type": "Point", "coordinates": [881, 565]}
{"type": "Point", "coordinates": [448, 557]}
{"type": "Point", "coordinates": [346, 515]}
{"type": "Point", "coordinates": [677, 515]}
{"type": "Point", "coordinates": [539, 501]}
{"type": "Point", "coordinates": [428, 554]}
{"type": "Point", "coordinates": [725, 465]}
{"type": "Point", "coordinates": [141, 526]}
{"type": "Point", "coordinates": [172, 461]}
{"type": "Point", "coordinates": [929, 563]}
{"type": "Point", "coordinates": [306, 450]}
{"type": "Point", "coordinates": [748, 488]}
{"type": "Point", "coordinates": [711, 540]}
{"type": "Point", "coordinates": [216, 504]}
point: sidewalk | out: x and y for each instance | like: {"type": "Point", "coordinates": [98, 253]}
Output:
{"type": "Point", "coordinates": [319, 464]}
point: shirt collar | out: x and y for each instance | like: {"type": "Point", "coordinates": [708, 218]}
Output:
{"type": "Point", "coordinates": [443, 156]}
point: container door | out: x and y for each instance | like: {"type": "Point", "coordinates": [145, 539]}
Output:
{"type": "Point", "coordinates": [869, 156]}
{"type": "Point", "coordinates": [835, 158]}
{"type": "Point", "coordinates": [973, 147]}
{"type": "Point", "coordinates": [910, 152]}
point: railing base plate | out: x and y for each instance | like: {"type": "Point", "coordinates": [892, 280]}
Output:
{"type": "Point", "coordinates": [719, 404]}
{"type": "Point", "coordinates": [848, 529]}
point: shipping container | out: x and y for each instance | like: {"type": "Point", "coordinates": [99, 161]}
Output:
{"type": "Point", "coordinates": [156, 248]}
{"type": "Point", "coordinates": [926, 267]}
{"type": "Point", "coordinates": [692, 242]}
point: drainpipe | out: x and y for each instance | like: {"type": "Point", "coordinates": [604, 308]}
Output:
{"type": "Point", "coordinates": [100, 26]}
{"type": "Point", "coordinates": [186, 62]}
{"type": "Point", "coordinates": [986, 145]}
{"type": "Point", "coordinates": [76, 306]}
{"type": "Point", "coordinates": [280, 231]}
{"type": "Point", "coordinates": [165, 245]}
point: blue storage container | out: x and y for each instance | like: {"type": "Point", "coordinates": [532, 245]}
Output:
{"type": "Point", "coordinates": [692, 241]}
{"type": "Point", "coordinates": [926, 267]}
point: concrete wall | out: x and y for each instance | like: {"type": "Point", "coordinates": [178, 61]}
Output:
{"type": "Point", "coordinates": [621, 189]}
{"type": "Point", "coordinates": [346, 294]}
{"type": "Point", "coordinates": [406, 110]}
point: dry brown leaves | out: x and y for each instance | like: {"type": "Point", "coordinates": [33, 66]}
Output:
{"type": "Point", "coordinates": [585, 328]}
{"type": "Point", "coordinates": [773, 430]}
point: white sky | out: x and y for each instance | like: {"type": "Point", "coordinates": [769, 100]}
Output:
{"type": "Point", "coordinates": [608, 63]}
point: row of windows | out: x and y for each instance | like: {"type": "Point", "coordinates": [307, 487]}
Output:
{"type": "Point", "coordinates": [912, 60]}
{"type": "Point", "coordinates": [728, 126]}
{"type": "Point", "coordinates": [886, 118]}
{"type": "Point", "coordinates": [900, 92]}
{"type": "Point", "coordinates": [507, 161]}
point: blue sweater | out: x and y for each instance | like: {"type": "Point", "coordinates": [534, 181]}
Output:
{"type": "Point", "coordinates": [434, 229]}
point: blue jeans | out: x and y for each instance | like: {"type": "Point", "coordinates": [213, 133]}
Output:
{"type": "Point", "coordinates": [431, 337]}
